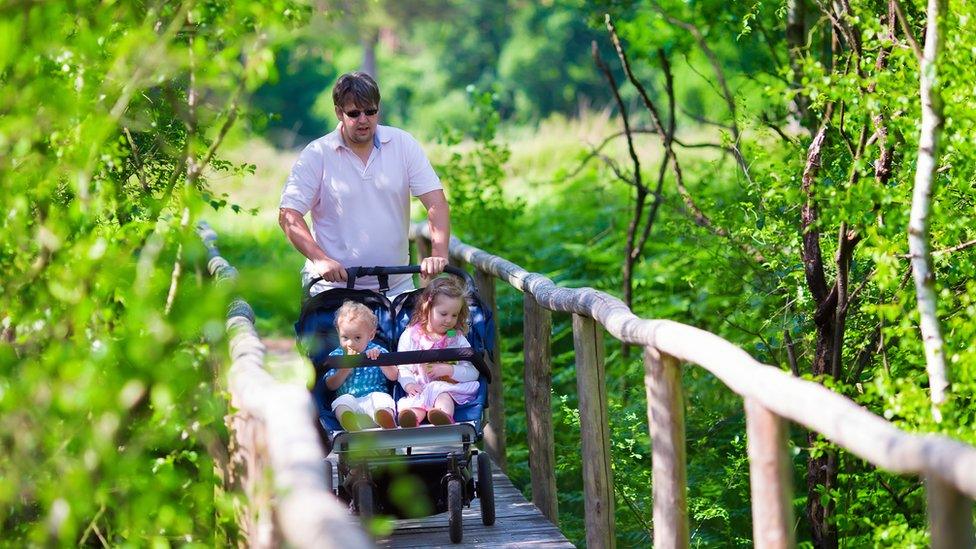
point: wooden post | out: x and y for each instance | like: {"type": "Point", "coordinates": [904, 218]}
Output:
{"type": "Point", "coordinates": [770, 475]}
{"type": "Point", "coordinates": [495, 430]}
{"type": "Point", "coordinates": [666, 418]}
{"type": "Point", "coordinates": [594, 432]}
{"type": "Point", "coordinates": [537, 329]}
{"type": "Point", "coordinates": [950, 515]}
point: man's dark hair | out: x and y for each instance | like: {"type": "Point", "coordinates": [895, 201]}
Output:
{"type": "Point", "coordinates": [358, 87]}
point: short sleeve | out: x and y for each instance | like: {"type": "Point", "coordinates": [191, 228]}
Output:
{"type": "Point", "coordinates": [332, 371]}
{"type": "Point", "coordinates": [420, 173]}
{"type": "Point", "coordinates": [302, 186]}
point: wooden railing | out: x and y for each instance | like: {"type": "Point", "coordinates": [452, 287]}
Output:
{"type": "Point", "coordinates": [770, 395]}
{"type": "Point", "coordinates": [275, 454]}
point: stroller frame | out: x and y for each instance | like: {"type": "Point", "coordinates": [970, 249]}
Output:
{"type": "Point", "coordinates": [369, 461]}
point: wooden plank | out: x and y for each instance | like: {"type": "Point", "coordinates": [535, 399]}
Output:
{"type": "Point", "coordinates": [666, 418]}
{"type": "Point", "coordinates": [518, 524]}
{"type": "Point", "coordinates": [770, 473]}
{"type": "Point", "coordinates": [494, 431]}
{"type": "Point", "coordinates": [537, 329]}
{"type": "Point", "coordinates": [950, 515]}
{"type": "Point", "coordinates": [594, 432]}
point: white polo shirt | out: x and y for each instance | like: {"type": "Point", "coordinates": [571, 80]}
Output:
{"type": "Point", "coordinates": [361, 211]}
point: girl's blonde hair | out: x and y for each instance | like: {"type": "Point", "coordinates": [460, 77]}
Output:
{"type": "Point", "coordinates": [352, 310]}
{"type": "Point", "coordinates": [447, 286]}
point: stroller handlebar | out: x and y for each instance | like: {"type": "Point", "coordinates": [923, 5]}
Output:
{"type": "Point", "coordinates": [352, 273]}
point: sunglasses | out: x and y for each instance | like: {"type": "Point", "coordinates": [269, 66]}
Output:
{"type": "Point", "coordinates": [355, 114]}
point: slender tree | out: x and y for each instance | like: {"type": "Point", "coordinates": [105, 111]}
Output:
{"type": "Point", "coordinates": [918, 226]}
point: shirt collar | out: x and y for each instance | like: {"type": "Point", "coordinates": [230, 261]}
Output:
{"type": "Point", "coordinates": [334, 139]}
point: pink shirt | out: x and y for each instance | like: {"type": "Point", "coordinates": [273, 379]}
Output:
{"type": "Point", "coordinates": [361, 211]}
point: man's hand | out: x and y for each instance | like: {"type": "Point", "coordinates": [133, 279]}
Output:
{"type": "Point", "coordinates": [432, 266]}
{"type": "Point", "coordinates": [329, 269]}
{"type": "Point", "coordinates": [372, 353]}
{"type": "Point", "coordinates": [412, 389]}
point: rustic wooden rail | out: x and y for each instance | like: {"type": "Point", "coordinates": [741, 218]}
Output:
{"type": "Point", "coordinates": [273, 438]}
{"type": "Point", "coordinates": [770, 395]}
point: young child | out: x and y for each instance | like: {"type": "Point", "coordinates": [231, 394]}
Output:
{"type": "Point", "coordinates": [362, 400]}
{"type": "Point", "coordinates": [438, 322]}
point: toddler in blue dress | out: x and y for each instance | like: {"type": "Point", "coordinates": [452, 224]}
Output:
{"type": "Point", "coordinates": [362, 400]}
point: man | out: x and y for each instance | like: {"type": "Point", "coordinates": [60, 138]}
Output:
{"type": "Point", "coordinates": [357, 182]}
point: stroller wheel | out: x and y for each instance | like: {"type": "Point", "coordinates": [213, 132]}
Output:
{"type": "Point", "coordinates": [486, 489]}
{"type": "Point", "coordinates": [454, 505]}
{"type": "Point", "coordinates": [328, 477]}
{"type": "Point", "coordinates": [364, 500]}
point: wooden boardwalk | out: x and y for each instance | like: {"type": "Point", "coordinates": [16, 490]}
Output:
{"type": "Point", "coordinates": [518, 523]}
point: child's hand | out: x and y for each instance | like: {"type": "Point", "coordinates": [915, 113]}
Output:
{"type": "Point", "coordinates": [412, 389]}
{"type": "Point", "coordinates": [373, 353]}
{"type": "Point", "coordinates": [440, 370]}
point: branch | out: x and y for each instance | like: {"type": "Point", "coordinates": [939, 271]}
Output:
{"type": "Point", "coordinates": [702, 120]}
{"type": "Point", "coordinates": [955, 248]}
{"type": "Point", "coordinates": [177, 265]}
{"type": "Point", "coordinates": [712, 59]}
{"type": "Point", "coordinates": [909, 34]}
{"type": "Point", "coordinates": [623, 113]}
{"type": "Point", "coordinates": [791, 352]}
{"type": "Point", "coordinates": [655, 116]}
{"type": "Point", "coordinates": [764, 117]}
{"type": "Point", "coordinates": [700, 218]}
{"type": "Point", "coordinates": [641, 191]}
{"type": "Point", "coordinates": [138, 162]}
{"type": "Point", "coordinates": [596, 149]}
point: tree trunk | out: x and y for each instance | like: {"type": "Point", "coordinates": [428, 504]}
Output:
{"type": "Point", "coordinates": [369, 42]}
{"type": "Point", "coordinates": [822, 469]}
{"type": "Point", "coordinates": [918, 225]}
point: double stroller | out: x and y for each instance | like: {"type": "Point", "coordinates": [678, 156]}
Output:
{"type": "Point", "coordinates": [403, 472]}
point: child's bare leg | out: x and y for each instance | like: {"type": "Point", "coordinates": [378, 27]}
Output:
{"type": "Point", "coordinates": [443, 411]}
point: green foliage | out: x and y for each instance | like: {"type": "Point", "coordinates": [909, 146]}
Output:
{"type": "Point", "coordinates": [111, 334]}
{"type": "Point", "coordinates": [692, 275]}
{"type": "Point", "coordinates": [481, 214]}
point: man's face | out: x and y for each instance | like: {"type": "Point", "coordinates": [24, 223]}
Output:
{"type": "Point", "coordinates": [358, 127]}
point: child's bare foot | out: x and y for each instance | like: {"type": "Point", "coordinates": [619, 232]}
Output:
{"type": "Point", "coordinates": [384, 418]}
{"type": "Point", "coordinates": [408, 418]}
{"type": "Point", "coordinates": [439, 417]}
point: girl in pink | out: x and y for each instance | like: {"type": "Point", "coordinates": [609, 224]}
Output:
{"type": "Point", "coordinates": [438, 322]}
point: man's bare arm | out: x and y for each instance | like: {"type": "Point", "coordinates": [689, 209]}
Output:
{"type": "Point", "coordinates": [439, 223]}
{"type": "Point", "coordinates": [295, 228]}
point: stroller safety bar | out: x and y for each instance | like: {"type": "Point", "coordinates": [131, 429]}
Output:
{"type": "Point", "coordinates": [387, 439]}
{"type": "Point", "coordinates": [412, 357]}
